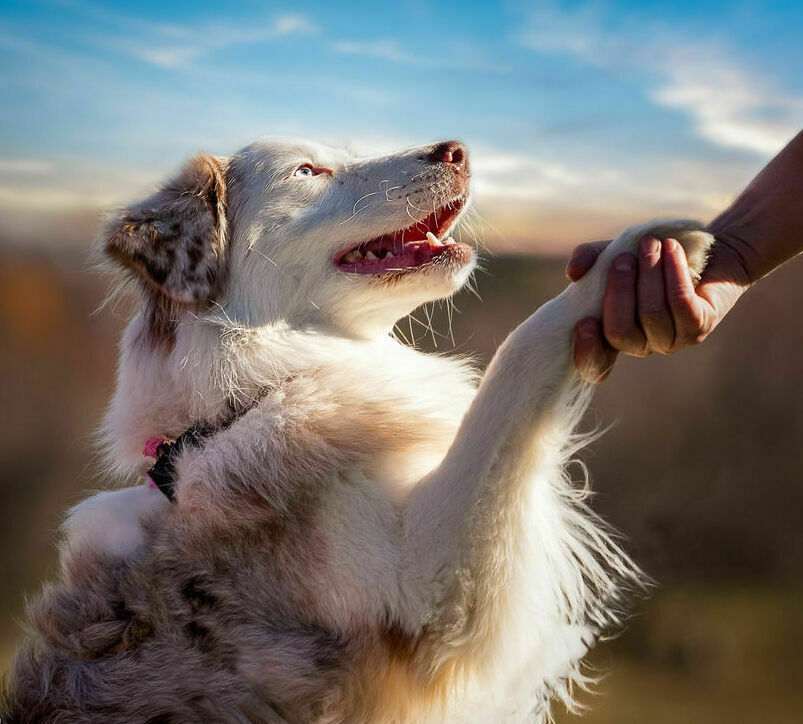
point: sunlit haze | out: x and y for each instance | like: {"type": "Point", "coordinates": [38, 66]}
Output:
{"type": "Point", "coordinates": [581, 117]}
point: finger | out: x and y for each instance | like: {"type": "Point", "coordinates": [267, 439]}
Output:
{"type": "Point", "coordinates": [653, 311]}
{"type": "Point", "coordinates": [583, 258]}
{"type": "Point", "coordinates": [593, 356]}
{"type": "Point", "coordinates": [684, 304]}
{"type": "Point", "coordinates": [619, 308]}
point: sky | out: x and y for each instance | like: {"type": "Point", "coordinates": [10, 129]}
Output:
{"type": "Point", "coordinates": [581, 118]}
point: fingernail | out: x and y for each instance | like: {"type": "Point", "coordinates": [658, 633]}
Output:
{"type": "Point", "coordinates": [623, 263]}
{"type": "Point", "coordinates": [671, 245]}
{"type": "Point", "coordinates": [650, 246]}
{"type": "Point", "coordinates": [575, 258]}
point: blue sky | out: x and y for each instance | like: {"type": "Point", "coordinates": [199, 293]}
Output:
{"type": "Point", "coordinates": [581, 117]}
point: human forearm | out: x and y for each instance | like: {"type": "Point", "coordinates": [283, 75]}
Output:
{"type": "Point", "coordinates": [646, 311]}
{"type": "Point", "coordinates": [764, 225]}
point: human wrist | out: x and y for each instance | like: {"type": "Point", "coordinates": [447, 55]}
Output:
{"type": "Point", "coordinates": [735, 256]}
{"type": "Point", "coordinates": [733, 259]}
{"type": "Point", "coordinates": [763, 227]}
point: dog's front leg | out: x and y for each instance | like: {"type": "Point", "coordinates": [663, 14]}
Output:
{"type": "Point", "coordinates": [463, 523]}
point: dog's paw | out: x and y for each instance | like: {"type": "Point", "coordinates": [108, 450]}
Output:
{"type": "Point", "coordinates": [109, 524]}
{"type": "Point", "coordinates": [689, 234]}
{"type": "Point", "coordinates": [586, 294]}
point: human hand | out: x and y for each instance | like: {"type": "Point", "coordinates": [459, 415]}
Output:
{"type": "Point", "coordinates": [650, 304]}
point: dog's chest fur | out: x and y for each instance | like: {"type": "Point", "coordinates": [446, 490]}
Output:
{"type": "Point", "coordinates": [282, 557]}
{"type": "Point", "coordinates": [326, 460]}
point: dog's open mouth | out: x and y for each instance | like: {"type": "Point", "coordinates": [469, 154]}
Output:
{"type": "Point", "coordinates": [411, 247]}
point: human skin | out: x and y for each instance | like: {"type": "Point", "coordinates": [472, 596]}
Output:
{"type": "Point", "coordinates": [650, 304]}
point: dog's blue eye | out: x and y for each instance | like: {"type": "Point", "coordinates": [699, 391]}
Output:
{"type": "Point", "coordinates": [305, 170]}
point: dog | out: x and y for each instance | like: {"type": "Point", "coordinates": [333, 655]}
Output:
{"type": "Point", "coordinates": [338, 528]}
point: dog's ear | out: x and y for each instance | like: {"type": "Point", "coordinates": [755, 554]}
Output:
{"type": "Point", "coordinates": [175, 239]}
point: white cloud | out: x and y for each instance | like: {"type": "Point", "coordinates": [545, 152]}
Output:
{"type": "Point", "coordinates": [212, 36]}
{"type": "Point", "coordinates": [463, 56]}
{"type": "Point", "coordinates": [381, 49]}
{"type": "Point", "coordinates": [528, 181]}
{"type": "Point", "coordinates": [72, 183]}
{"type": "Point", "coordinates": [53, 199]}
{"type": "Point", "coordinates": [292, 24]}
{"type": "Point", "coordinates": [518, 176]}
{"type": "Point", "coordinates": [23, 166]}
{"type": "Point", "coordinates": [180, 46]}
{"type": "Point", "coordinates": [728, 105]}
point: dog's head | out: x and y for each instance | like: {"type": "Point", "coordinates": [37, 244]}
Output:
{"type": "Point", "coordinates": [300, 233]}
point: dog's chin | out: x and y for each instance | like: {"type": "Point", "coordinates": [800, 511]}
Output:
{"type": "Point", "coordinates": [371, 309]}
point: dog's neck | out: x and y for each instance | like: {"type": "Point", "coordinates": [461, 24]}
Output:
{"type": "Point", "coordinates": [214, 364]}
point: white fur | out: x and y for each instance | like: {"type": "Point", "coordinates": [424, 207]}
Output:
{"type": "Point", "coordinates": [473, 524]}
{"type": "Point", "coordinates": [109, 522]}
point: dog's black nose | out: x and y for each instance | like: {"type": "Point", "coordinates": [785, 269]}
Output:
{"type": "Point", "coordinates": [453, 153]}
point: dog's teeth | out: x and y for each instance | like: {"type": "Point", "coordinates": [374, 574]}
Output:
{"type": "Point", "coordinates": [353, 257]}
{"type": "Point", "coordinates": [432, 239]}
{"type": "Point", "coordinates": [449, 240]}
{"type": "Point", "coordinates": [389, 255]}
{"type": "Point", "coordinates": [369, 256]}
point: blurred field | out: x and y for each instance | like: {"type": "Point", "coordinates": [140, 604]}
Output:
{"type": "Point", "coordinates": [708, 653]}
{"type": "Point", "coordinates": [701, 473]}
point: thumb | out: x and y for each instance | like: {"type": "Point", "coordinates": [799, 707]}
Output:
{"type": "Point", "coordinates": [583, 258]}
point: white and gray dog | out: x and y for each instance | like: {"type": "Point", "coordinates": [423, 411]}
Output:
{"type": "Point", "coordinates": [343, 529]}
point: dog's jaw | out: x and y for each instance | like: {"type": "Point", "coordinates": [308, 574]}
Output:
{"type": "Point", "coordinates": [410, 249]}
{"type": "Point", "coordinates": [391, 274]}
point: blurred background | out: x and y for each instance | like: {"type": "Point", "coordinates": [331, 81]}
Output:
{"type": "Point", "coordinates": [582, 118]}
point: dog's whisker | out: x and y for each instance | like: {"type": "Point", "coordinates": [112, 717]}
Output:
{"type": "Point", "coordinates": [475, 216]}
{"type": "Point", "coordinates": [420, 210]}
{"type": "Point", "coordinates": [388, 190]}
{"type": "Point", "coordinates": [449, 310]}
{"type": "Point", "coordinates": [426, 327]}
{"type": "Point", "coordinates": [407, 211]}
{"type": "Point", "coordinates": [396, 328]}
{"type": "Point", "coordinates": [363, 208]}
{"type": "Point", "coordinates": [429, 324]}
{"type": "Point", "coordinates": [365, 196]}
